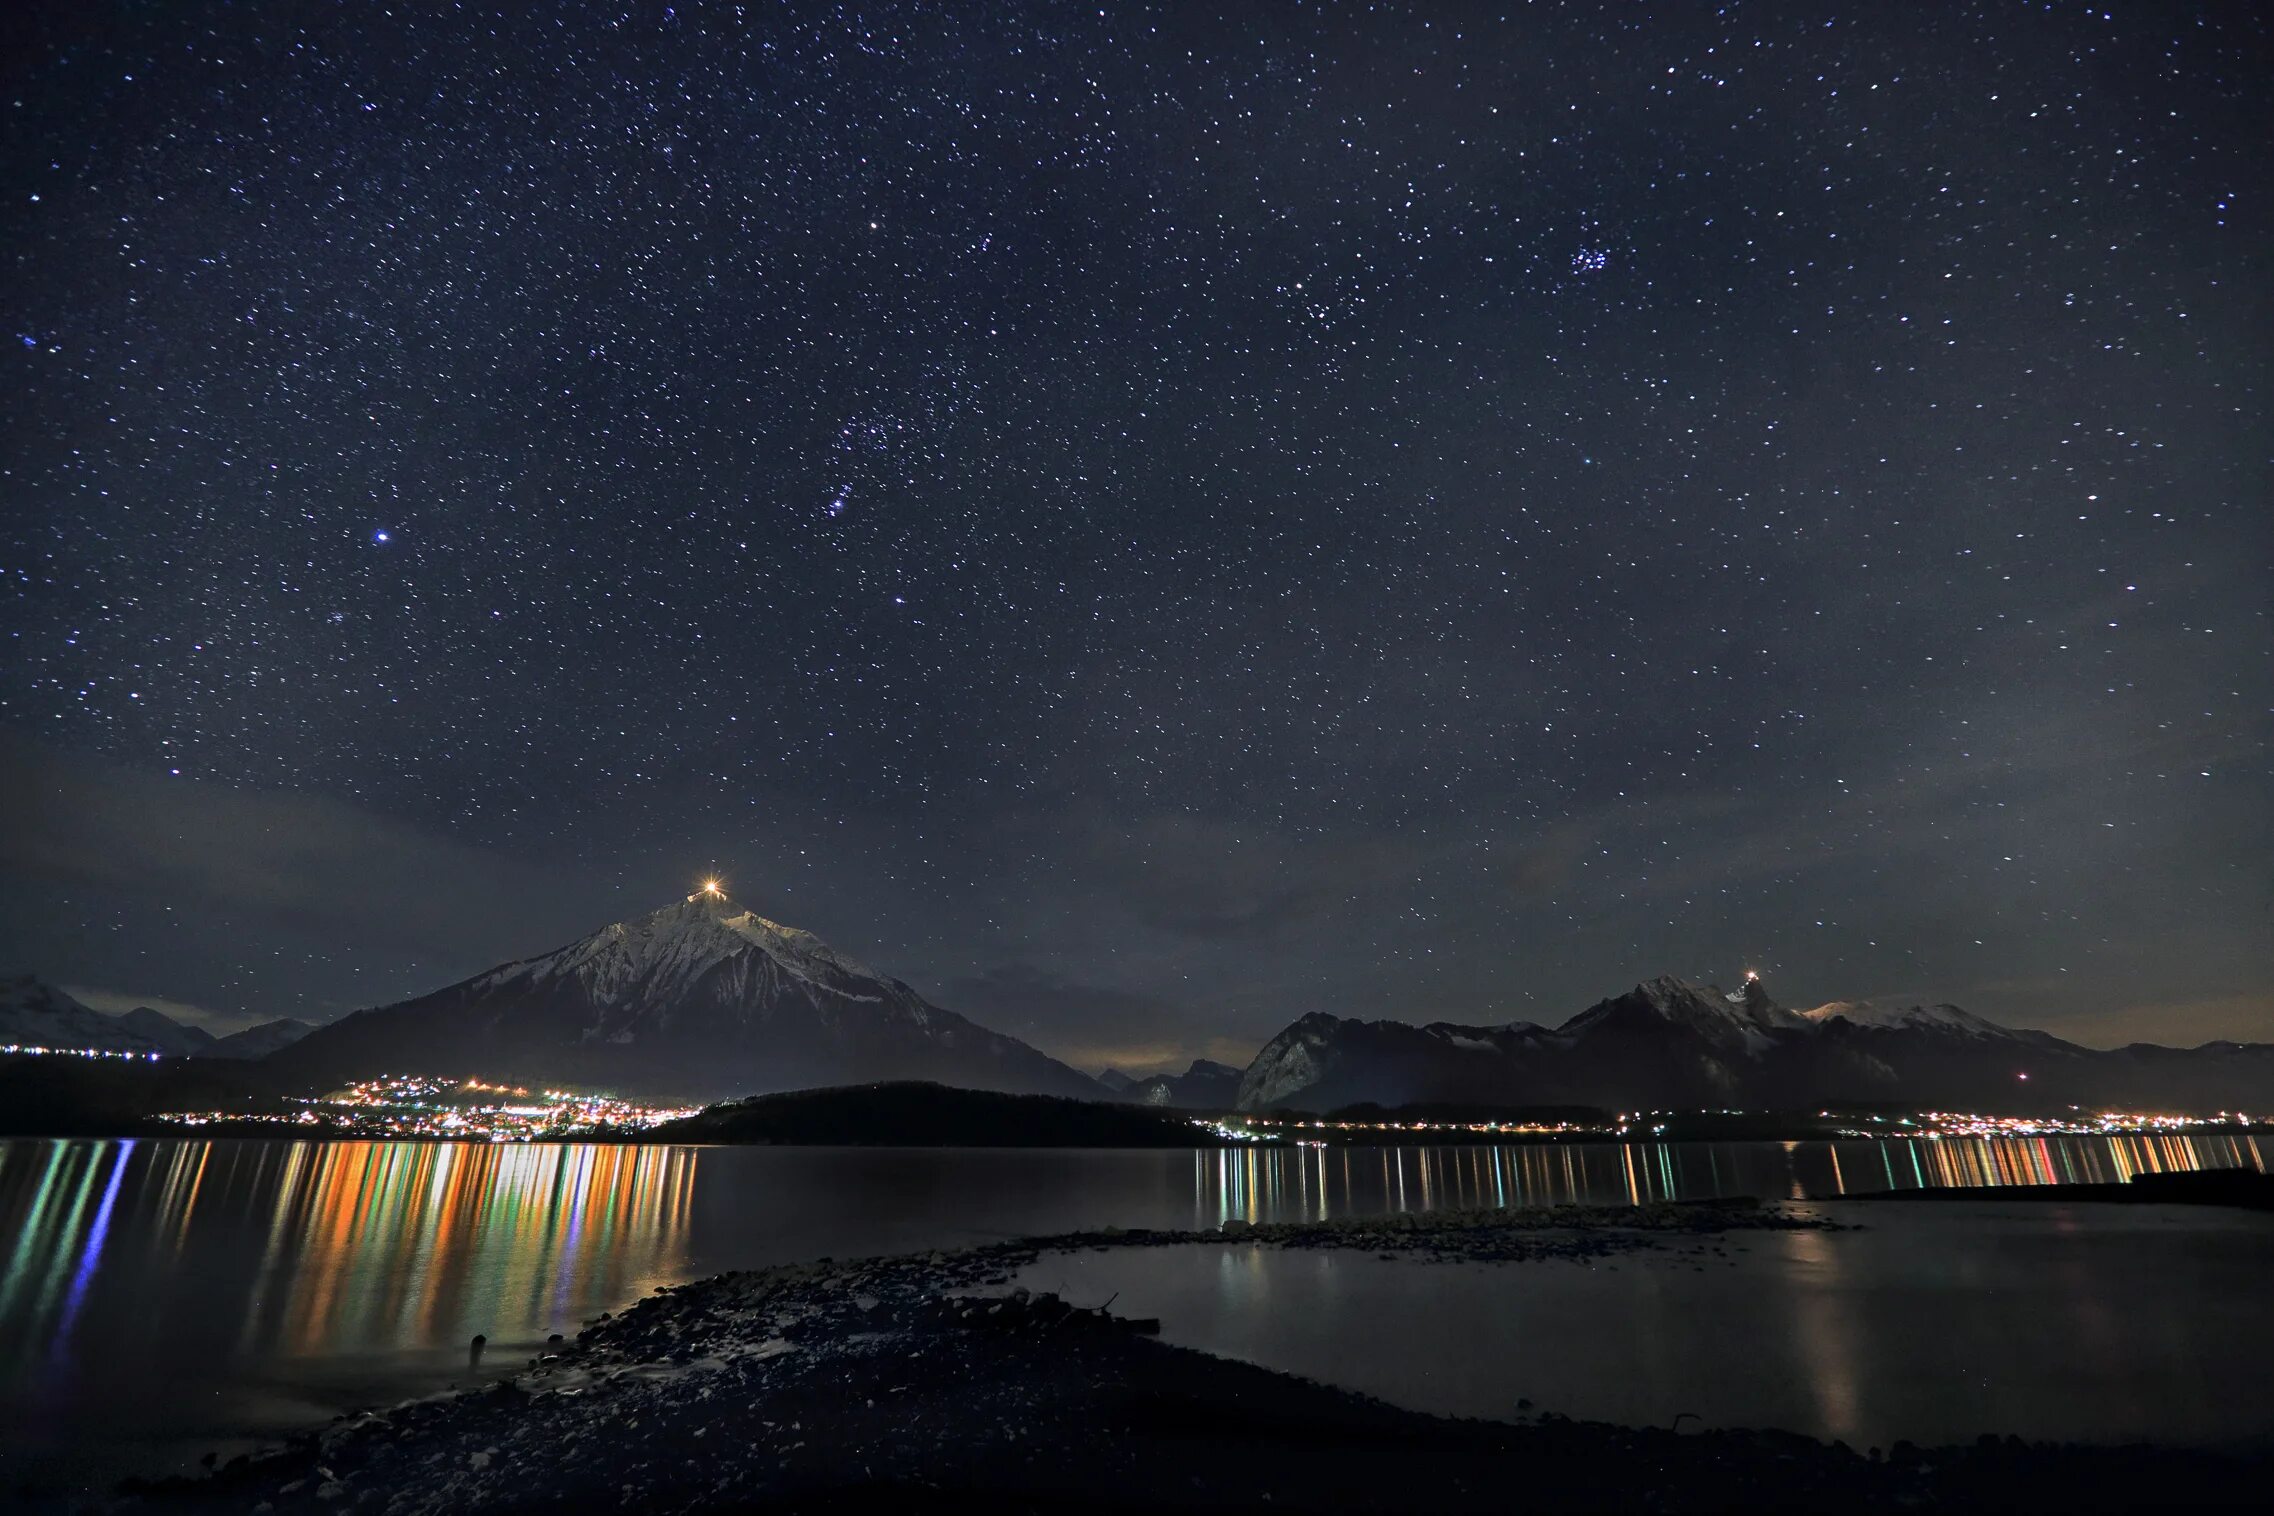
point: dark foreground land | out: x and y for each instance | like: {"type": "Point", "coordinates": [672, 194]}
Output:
{"type": "Point", "coordinates": [104, 1097]}
{"type": "Point", "coordinates": [919, 1113]}
{"type": "Point", "coordinates": [904, 1383]}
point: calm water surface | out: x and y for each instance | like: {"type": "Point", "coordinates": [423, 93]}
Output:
{"type": "Point", "coordinates": [2092, 1323]}
{"type": "Point", "coordinates": [161, 1298]}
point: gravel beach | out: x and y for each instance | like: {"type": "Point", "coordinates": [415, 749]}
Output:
{"type": "Point", "coordinates": [918, 1382]}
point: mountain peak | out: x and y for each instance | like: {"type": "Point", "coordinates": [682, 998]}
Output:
{"type": "Point", "coordinates": [34, 1013]}
{"type": "Point", "coordinates": [1670, 1043]}
{"type": "Point", "coordinates": [31, 993]}
{"type": "Point", "coordinates": [674, 945]}
{"type": "Point", "coordinates": [1748, 1016]}
{"type": "Point", "coordinates": [711, 896]}
{"type": "Point", "coordinates": [1754, 995]}
{"type": "Point", "coordinates": [699, 996]}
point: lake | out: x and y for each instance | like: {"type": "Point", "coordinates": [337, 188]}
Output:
{"type": "Point", "coordinates": [162, 1298]}
{"type": "Point", "coordinates": [1932, 1324]}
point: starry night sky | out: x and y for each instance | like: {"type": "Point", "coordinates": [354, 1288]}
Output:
{"type": "Point", "coordinates": [1145, 523]}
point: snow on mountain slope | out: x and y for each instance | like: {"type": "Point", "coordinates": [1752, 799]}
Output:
{"type": "Point", "coordinates": [700, 998]}
{"type": "Point", "coordinates": [1747, 1020]}
{"type": "Point", "coordinates": [1289, 1063]}
{"type": "Point", "coordinates": [1669, 1043]}
{"type": "Point", "coordinates": [665, 954]}
{"type": "Point", "coordinates": [1942, 1018]}
{"type": "Point", "coordinates": [34, 1013]}
{"type": "Point", "coordinates": [1325, 1061]}
{"type": "Point", "coordinates": [1206, 1085]}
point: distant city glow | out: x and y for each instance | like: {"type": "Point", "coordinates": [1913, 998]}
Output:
{"type": "Point", "coordinates": [34, 1050]}
{"type": "Point", "coordinates": [411, 1105]}
{"type": "Point", "coordinates": [1920, 1125]}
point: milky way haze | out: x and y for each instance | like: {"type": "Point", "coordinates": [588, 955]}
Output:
{"type": "Point", "coordinates": [1146, 525]}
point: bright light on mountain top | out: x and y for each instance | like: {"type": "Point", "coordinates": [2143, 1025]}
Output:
{"type": "Point", "coordinates": [1752, 976]}
{"type": "Point", "coordinates": [714, 886]}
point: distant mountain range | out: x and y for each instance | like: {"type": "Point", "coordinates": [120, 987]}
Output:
{"type": "Point", "coordinates": [701, 999]}
{"type": "Point", "coordinates": [37, 1014]}
{"type": "Point", "coordinates": [1206, 1086]}
{"type": "Point", "coordinates": [705, 1000]}
{"type": "Point", "coordinates": [1669, 1044]}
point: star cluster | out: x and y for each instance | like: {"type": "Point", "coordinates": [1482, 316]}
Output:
{"type": "Point", "coordinates": [1149, 523]}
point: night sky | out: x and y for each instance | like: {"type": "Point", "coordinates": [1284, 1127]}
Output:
{"type": "Point", "coordinates": [1146, 524]}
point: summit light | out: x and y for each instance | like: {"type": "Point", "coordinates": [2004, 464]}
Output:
{"type": "Point", "coordinates": [713, 886]}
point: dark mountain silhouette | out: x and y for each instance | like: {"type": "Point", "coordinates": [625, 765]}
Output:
{"type": "Point", "coordinates": [698, 1000]}
{"type": "Point", "coordinates": [1206, 1086]}
{"type": "Point", "coordinates": [1669, 1044]}
{"type": "Point", "coordinates": [914, 1114]}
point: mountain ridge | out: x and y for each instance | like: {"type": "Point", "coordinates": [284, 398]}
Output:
{"type": "Point", "coordinates": [698, 998]}
{"type": "Point", "coordinates": [1668, 1043]}
{"type": "Point", "coordinates": [34, 1013]}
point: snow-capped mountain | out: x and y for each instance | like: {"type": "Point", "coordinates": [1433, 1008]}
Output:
{"type": "Point", "coordinates": [34, 1013]}
{"type": "Point", "coordinates": [1671, 1044]}
{"type": "Point", "coordinates": [1206, 1086]}
{"type": "Point", "coordinates": [1322, 1061]}
{"type": "Point", "coordinates": [1941, 1018]}
{"type": "Point", "coordinates": [1744, 1022]}
{"type": "Point", "coordinates": [699, 999]}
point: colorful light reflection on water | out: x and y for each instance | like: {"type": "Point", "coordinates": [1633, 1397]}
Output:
{"type": "Point", "coordinates": [159, 1298]}
{"type": "Point", "coordinates": [357, 1244]}
{"type": "Point", "coordinates": [1266, 1184]}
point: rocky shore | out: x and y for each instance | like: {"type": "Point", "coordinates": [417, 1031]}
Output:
{"type": "Point", "coordinates": [919, 1383]}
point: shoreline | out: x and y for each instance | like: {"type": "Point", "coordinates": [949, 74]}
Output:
{"type": "Point", "coordinates": [2245, 1189]}
{"type": "Point", "coordinates": [911, 1379]}
{"type": "Point", "coordinates": [286, 1132]}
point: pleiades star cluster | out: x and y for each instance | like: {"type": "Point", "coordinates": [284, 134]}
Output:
{"type": "Point", "coordinates": [1146, 521]}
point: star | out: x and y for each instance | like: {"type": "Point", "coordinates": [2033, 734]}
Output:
{"type": "Point", "coordinates": [1339, 590]}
